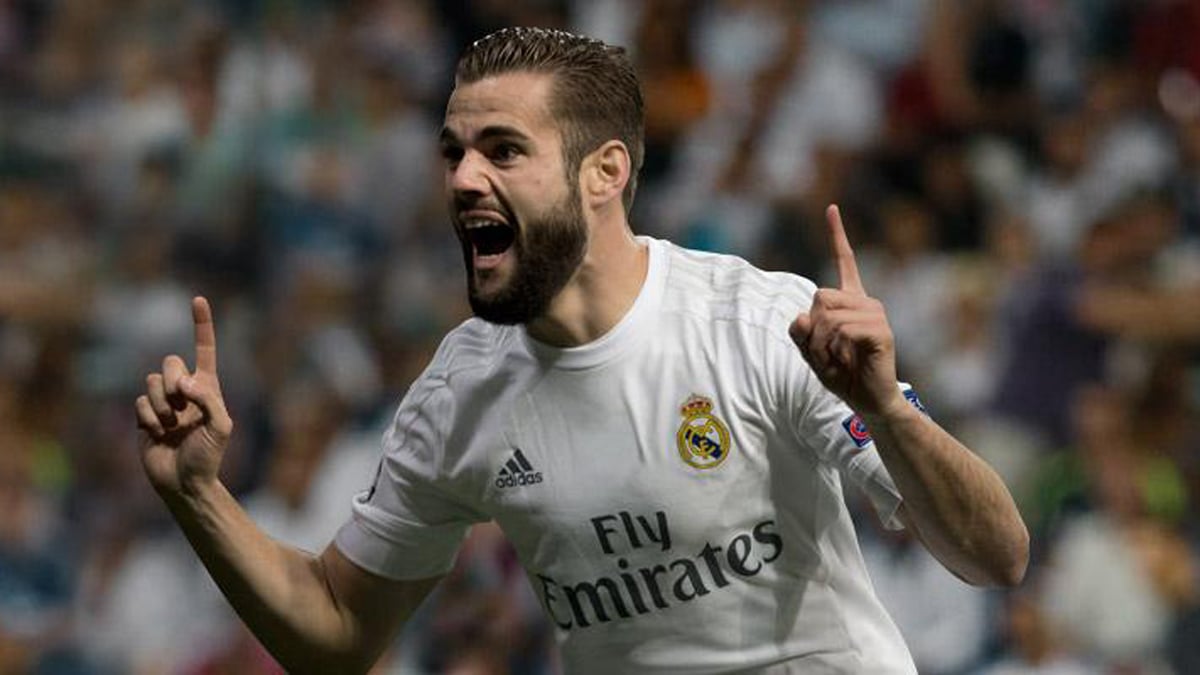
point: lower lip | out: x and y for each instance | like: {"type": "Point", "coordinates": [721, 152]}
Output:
{"type": "Point", "coordinates": [489, 262]}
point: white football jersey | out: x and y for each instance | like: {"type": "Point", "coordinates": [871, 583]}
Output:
{"type": "Point", "coordinates": [673, 489]}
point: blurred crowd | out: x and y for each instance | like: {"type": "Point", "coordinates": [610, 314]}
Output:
{"type": "Point", "coordinates": [1021, 179]}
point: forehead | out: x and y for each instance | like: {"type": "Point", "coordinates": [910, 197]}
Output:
{"type": "Point", "coordinates": [520, 100]}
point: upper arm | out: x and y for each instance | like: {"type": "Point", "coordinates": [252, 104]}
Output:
{"type": "Point", "coordinates": [825, 426]}
{"type": "Point", "coordinates": [411, 521]}
{"type": "Point", "coordinates": [372, 608]}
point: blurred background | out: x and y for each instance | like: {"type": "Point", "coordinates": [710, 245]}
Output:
{"type": "Point", "coordinates": [1021, 179]}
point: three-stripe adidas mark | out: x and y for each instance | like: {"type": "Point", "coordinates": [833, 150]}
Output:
{"type": "Point", "coordinates": [517, 471]}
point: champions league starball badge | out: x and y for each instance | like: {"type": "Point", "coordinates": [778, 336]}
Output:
{"type": "Point", "coordinates": [703, 440]}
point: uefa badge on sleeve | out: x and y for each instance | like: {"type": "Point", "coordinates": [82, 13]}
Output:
{"type": "Point", "coordinates": [857, 428]}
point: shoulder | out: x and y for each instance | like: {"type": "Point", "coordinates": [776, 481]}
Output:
{"type": "Point", "coordinates": [460, 381]}
{"type": "Point", "coordinates": [470, 356]}
{"type": "Point", "coordinates": [726, 287]}
{"type": "Point", "coordinates": [473, 348]}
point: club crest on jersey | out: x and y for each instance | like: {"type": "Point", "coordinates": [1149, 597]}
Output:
{"type": "Point", "coordinates": [703, 440]}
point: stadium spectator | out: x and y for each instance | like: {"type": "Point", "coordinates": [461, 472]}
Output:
{"type": "Point", "coordinates": [146, 152]}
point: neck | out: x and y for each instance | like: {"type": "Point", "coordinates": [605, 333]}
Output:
{"type": "Point", "coordinates": [600, 293]}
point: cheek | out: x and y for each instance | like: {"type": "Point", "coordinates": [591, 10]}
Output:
{"type": "Point", "coordinates": [537, 198]}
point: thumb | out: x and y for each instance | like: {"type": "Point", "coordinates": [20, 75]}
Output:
{"type": "Point", "coordinates": [800, 329]}
{"type": "Point", "coordinates": [207, 397]}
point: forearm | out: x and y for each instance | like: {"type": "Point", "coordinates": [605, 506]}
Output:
{"type": "Point", "coordinates": [281, 593]}
{"type": "Point", "coordinates": [315, 614]}
{"type": "Point", "coordinates": [958, 505]}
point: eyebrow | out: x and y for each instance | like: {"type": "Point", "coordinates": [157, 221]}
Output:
{"type": "Point", "coordinates": [448, 137]}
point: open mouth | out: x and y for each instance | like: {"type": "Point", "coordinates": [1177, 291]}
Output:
{"type": "Point", "coordinates": [491, 238]}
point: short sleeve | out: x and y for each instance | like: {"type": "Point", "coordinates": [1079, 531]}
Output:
{"type": "Point", "coordinates": [409, 523]}
{"type": "Point", "coordinates": [840, 438]}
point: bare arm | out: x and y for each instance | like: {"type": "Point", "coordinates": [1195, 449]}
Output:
{"type": "Point", "coordinates": [317, 614]}
{"type": "Point", "coordinates": [955, 502]}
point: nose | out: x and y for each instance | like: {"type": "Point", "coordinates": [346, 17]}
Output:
{"type": "Point", "coordinates": [469, 175]}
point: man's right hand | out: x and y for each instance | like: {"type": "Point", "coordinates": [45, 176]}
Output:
{"type": "Point", "coordinates": [185, 427]}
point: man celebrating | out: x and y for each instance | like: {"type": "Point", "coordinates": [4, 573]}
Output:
{"type": "Point", "coordinates": [661, 433]}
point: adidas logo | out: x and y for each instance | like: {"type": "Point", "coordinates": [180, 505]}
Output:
{"type": "Point", "coordinates": [517, 471]}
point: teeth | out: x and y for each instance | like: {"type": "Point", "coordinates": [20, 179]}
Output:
{"type": "Point", "coordinates": [477, 223]}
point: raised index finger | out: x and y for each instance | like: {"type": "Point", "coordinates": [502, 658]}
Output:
{"type": "Point", "coordinates": [843, 254]}
{"type": "Point", "coordinates": [206, 336]}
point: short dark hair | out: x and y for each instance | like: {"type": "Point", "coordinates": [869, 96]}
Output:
{"type": "Point", "coordinates": [596, 96]}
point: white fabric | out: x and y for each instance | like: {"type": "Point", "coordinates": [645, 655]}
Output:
{"type": "Point", "coordinates": [645, 562]}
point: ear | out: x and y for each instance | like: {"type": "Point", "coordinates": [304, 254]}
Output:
{"type": "Point", "coordinates": [604, 173]}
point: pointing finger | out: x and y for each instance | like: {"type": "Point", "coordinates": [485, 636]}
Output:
{"type": "Point", "coordinates": [206, 337]}
{"type": "Point", "coordinates": [843, 254]}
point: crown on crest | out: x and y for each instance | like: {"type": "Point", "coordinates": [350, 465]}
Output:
{"type": "Point", "coordinates": [696, 405]}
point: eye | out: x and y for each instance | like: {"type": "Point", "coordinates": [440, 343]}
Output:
{"type": "Point", "coordinates": [505, 152]}
{"type": "Point", "coordinates": [452, 154]}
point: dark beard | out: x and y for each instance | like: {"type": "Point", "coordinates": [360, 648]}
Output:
{"type": "Point", "coordinates": [546, 252]}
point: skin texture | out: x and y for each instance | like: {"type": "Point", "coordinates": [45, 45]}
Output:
{"type": "Point", "coordinates": [315, 614]}
{"type": "Point", "coordinates": [500, 167]}
{"type": "Point", "coordinates": [503, 155]}
{"type": "Point", "coordinates": [953, 501]}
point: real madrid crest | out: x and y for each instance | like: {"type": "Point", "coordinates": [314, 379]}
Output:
{"type": "Point", "coordinates": [703, 440]}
